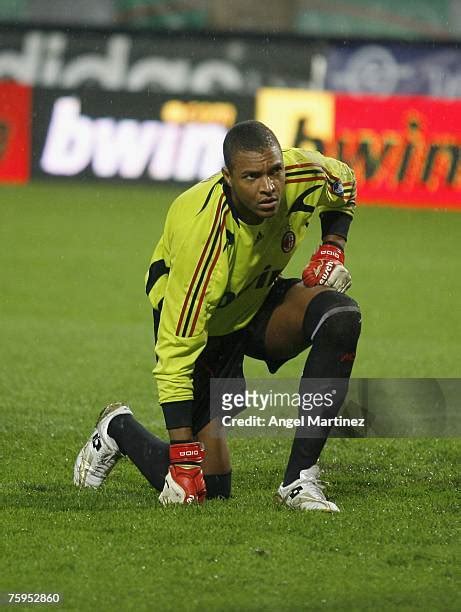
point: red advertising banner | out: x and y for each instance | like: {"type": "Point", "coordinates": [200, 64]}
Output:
{"type": "Point", "coordinates": [15, 132]}
{"type": "Point", "coordinates": [405, 150]}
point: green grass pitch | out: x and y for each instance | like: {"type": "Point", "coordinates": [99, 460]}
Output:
{"type": "Point", "coordinates": [76, 335]}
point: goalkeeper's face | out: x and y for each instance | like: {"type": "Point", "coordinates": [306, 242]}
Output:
{"type": "Point", "coordinates": [257, 180]}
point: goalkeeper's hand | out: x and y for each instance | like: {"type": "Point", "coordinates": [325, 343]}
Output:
{"type": "Point", "coordinates": [326, 267]}
{"type": "Point", "coordinates": [184, 483]}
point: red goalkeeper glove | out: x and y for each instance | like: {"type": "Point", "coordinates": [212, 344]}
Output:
{"type": "Point", "coordinates": [184, 483]}
{"type": "Point", "coordinates": [326, 267]}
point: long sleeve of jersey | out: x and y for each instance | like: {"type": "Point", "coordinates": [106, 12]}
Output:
{"type": "Point", "coordinates": [340, 188]}
{"type": "Point", "coordinates": [190, 264]}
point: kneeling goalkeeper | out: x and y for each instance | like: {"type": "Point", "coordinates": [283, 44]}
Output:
{"type": "Point", "coordinates": [217, 294]}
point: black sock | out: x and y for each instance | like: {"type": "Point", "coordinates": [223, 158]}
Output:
{"type": "Point", "coordinates": [149, 454]}
{"type": "Point", "coordinates": [218, 485]}
{"type": "Point", "coordinates": [331, 357]}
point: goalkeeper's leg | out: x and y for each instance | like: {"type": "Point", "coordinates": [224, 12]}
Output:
{"type": "Point", "coordinates": [150, 454]}
{"type": "Point", "coordinates": [329, 322]}
{"type": "Point", "coordinates": [332, 324]}
{"type": "Point", "coordinates": [123, 434]}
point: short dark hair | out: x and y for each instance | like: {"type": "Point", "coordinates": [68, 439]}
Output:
{"type": "Point", "coordinates": [248, 136]}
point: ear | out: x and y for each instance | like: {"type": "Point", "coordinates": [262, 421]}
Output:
{"type": "Point", "coordinates": [227, 176]}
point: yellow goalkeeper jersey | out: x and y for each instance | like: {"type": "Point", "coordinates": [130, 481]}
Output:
{"type": "Point", "coordinates": [210, 271]}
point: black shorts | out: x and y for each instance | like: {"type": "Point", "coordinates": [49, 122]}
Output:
{"type": "Point", "coordinates": [223, 355]}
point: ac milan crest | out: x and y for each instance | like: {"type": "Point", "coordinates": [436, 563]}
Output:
{"type": "Point", "coordinates": [288, 241]}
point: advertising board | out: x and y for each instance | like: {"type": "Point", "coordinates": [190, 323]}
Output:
{"type": "Point", "coordinates": [179, 63]}
{"type": "Point", "coordinates": [216, 64]}
{"type": "Point", "coordinates": [15, 132]}
{"type": "Point", "coordinates": [405, 150]}
{"type": "Point", "coordinates": [127, 136]}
